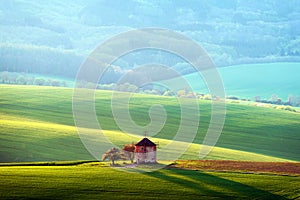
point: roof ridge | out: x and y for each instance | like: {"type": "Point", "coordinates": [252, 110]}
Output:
{"type": "Point", "coordinates": [145, 142]}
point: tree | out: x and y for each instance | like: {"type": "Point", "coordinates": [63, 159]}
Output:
{"type": "Point", "coordinates": [128, 150]}
{"type": "Point", "coordinates": [274, 98]}
{"type": "Point", "coordinates": [21, 80]}
{"type": "Point", "coordinates": [181, 93]}
{"type": "Point", "coordinates": [113, 154]}
{"type": "Point", "coordinates": [168, 93]}
{"type": "Point", "coordinates": [58, 83]}
{"type": "Point", "coordinates": [257, 99]}
{"type": "Point", "coordinates": [207, 97]}
{"type": "Point", "coordinates": [39, 81]}
{"type": "Point", "coordinates": [4, 77]}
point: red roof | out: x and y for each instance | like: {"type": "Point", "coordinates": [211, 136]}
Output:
{"type": "Point", "coordinates": [145, 142]}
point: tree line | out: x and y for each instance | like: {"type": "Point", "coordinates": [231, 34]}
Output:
{"type": "Point", "coordinates": [27, 79]}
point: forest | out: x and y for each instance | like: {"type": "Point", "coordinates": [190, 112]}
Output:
{"type": "Point", "coordinates": [43, 38]}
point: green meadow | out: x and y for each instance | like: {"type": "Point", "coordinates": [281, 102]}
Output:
{"type": "Point", "coordinates": [96, 181]}
{"type": "Point", "coordinates": [37, 124]}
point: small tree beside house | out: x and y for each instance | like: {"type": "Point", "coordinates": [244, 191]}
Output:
{"type": "Point", "coordinates": [128, 151]}
{"type": "Point", "coordinates": [113, 154]}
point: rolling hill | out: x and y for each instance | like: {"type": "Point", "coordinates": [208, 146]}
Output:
{"type": "Point", "coordinates": [250, 80]}
{"type": "Point", "coordinates": [37, 124]}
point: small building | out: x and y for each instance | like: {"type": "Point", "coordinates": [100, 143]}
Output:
{"type": "Point", "coordinates": [145, 151]}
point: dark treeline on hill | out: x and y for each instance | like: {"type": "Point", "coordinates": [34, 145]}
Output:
{"type": "Point", "coordinates": [39, 60]}
{"type": "Point", "coordinates": [153, 89]}
{"type": "Point", "coordinates": [66, 63]}
{"type": "Point", "coordinates": [55, 37]}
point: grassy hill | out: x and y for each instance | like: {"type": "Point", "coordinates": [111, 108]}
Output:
{"type": "Point", "coordinates": [250, 80]}
{"type": "Point", "coordinates": [37, 124]}
{"type": "Point", "coordinates": [95, 181]}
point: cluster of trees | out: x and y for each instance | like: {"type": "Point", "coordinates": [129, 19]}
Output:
{"type": "Point", "coordinates": [26, 79]}
{"type": "Point", "coordinates": [39, 60]}
{"type": "Point", "coordinates": [274, 99]}
{"type": "Point", "coordinates": [233, 32]}
{"type": "Point", "coordinates": [289, 108]}
{"type": "Point", "coordinates": [114, 154]}
{"type": "Point", "coordinates": [149, 89]}
{"type": "Point", "coordinates": [292, 100]}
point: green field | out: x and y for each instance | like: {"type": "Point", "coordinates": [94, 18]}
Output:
{"type": "Point", "coordinates": [250, 80]}
{"type": "Point", "coordinates": [37, 124]}
{"type": "Point", "coordinates": [92, 181]}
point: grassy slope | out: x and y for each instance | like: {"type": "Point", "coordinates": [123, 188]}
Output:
{"type": "Point", "coordinates": [94, 182]}
{"type": "Point", "coordinates": [36, 124]}
{"type": "Point", "coordinates": [262, 80]}
{"type": "Point", "coordinates": [250, 80]}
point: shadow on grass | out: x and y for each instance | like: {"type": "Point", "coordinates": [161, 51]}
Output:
{"type": "Point", "coordinates": [207, 185]}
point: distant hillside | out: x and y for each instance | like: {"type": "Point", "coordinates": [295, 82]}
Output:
{"type": "Point", "coordinates": [253, 80]}
{"type": "Point", "coordinates": [54, 37]}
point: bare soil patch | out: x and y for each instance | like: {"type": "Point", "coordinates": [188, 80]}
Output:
{"type": "Point", "coordinates": [282, 168]}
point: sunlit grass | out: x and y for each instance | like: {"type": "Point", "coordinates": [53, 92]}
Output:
{"type": "Point", "coordinates": [37, 125]}
{"type": "Point", "coordinates": [50, 131]}
{"type": "Point", "coordinates": [95, 182]}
